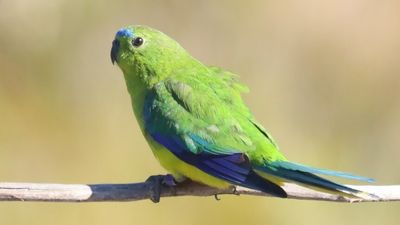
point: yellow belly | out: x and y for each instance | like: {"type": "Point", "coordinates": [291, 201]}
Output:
{"type": "Point", "coordinates": [179, 169]}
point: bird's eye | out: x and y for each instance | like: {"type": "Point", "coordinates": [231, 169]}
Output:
{"type": "Point", "coordinates": [137, 41]}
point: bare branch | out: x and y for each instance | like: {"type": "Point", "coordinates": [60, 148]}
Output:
{"type": "Point", "coordinates": [141, 191]}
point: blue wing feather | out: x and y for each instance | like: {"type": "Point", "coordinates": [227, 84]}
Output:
{"type": "Point", "coordinates": [225, 163]}
{"type": "Point", "coordinates": [234, 168]}
{"type": "Point", "coordinates": [217, 165]}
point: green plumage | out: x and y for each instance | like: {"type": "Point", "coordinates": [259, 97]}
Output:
{"type": "Point", "coordinates": [196, 122]}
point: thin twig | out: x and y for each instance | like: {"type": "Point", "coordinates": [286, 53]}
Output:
{"type": "Point", "coordinates": [142, 191]}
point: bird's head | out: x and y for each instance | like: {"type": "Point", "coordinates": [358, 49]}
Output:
{"type": "Point", "coordinates": [146, 53]}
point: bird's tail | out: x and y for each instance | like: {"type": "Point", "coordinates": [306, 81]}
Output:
{"type": "Point", "coordinates": [305, 175]}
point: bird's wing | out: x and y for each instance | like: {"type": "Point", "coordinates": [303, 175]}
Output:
{"type": "Point", "coordinates": [229, 90]}
{"type": "Point", "coordinates": [194, 124]}
{"type": "Point", "coordinates": [200, 119]}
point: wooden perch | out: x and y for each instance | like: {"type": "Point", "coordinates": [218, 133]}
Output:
{"type": "Point", "coordinates": [141, 191]}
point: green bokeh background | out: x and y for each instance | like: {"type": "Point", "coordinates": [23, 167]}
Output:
{"type": "Point", "coordinates": [324, 79]}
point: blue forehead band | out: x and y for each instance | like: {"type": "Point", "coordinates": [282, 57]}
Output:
{"type": "Point", "coordinates": [124, 32]}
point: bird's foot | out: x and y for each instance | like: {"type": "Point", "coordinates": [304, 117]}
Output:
{"type": "Point", "coordinates": [235, 191]}
{"type": "Point", "coordinates": [169, 180]}
{"type": "Point", "coordinates": [157, 182]}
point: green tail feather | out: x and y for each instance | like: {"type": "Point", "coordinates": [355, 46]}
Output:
{"type": "Point", "coordinates": [306, 175]}
{"type": "Point", "coordinates": [303, 168]}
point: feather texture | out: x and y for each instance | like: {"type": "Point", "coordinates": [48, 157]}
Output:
{"type": "Point", "coordinates": [197, 123]}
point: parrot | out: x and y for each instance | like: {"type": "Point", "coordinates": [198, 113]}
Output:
{"type": "Point", "coordinates": [197, 124]}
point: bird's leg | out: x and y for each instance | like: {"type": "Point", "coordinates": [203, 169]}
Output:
{"type": "Point", "coordinates": [157, 182]}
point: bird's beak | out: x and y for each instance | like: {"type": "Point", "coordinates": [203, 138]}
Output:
{"type": "Point", "coordinates": [114, 51]}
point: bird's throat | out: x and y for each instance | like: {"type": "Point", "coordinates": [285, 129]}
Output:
{"type": "Point", "coordinates": [137, 91]}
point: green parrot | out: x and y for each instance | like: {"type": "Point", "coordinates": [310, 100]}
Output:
{"type": "Point", "coordinates": [197, 125]}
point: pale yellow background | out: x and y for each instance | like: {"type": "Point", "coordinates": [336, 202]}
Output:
{"type": "Point", "coordinates": [324, 79]}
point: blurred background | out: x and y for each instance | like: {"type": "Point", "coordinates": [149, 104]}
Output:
{"type": "Point", "coordinates": [324, 79]}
